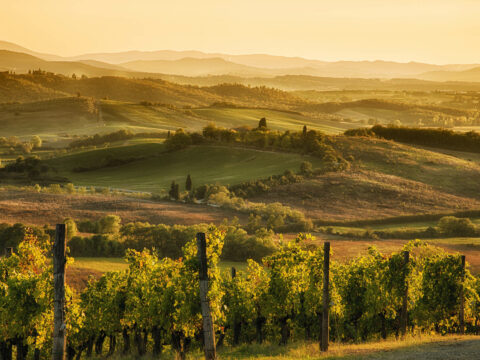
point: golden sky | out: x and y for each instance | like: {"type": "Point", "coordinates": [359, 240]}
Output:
{"type": "Point", "coordinates": [435, 31]}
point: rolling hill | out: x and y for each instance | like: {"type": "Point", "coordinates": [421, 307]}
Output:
{"type": "Point", "coordinates": [193, 67]}
{"type": "Point", "coordinates": [22, 63]}
{"type": "Point", "coordinates": [173, 62]}
{"type": "Point", "coordinates": [470, 75]}
{"type": "Point", "coordinates": [152, 169]}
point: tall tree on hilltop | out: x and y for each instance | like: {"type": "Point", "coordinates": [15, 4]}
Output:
{"type": "Point", "coordinates": [304, 130]}
{"type": "Point", "coordinates": [262, 124]}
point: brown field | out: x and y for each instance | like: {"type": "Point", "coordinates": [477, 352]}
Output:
{"type": "Point", "coordinates": [363, 194]}
{"type": "Point", "coordinates": [347, 249]}
{"type": "Point", "coordinates": [77, 277]}
{"type": "Point", "coordinates": [39, 209]}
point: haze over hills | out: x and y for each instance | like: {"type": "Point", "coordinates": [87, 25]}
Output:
{"type": "Point", "coordinates": [465, 75]}
{"type": "Point", "coordinates": [197, 63]}
{"type": "Point", "coordinates": [21, 63]}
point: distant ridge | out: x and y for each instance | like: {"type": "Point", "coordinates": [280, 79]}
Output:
{"type": "Point", "coordinates": [253, 64]}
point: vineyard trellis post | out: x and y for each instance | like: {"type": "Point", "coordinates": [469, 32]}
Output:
{"type": "Point", "coordinates": [461, 314]}
{"type": "Point", "coordinates": [59, 261]}
{"type": "Point", "coordinates": [326, 297]}
{"type": "Point", "coordinates": [208, 333]}
{"type": "Point", "coordinates": [404, 315]}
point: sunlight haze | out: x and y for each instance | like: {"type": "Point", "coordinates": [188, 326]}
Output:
{"type": "Point", "coordinates": [427, 31]}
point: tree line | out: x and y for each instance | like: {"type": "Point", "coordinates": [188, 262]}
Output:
{"type": "Point", "coordinates": [440, 138]}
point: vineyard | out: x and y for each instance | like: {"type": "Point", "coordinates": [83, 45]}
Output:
{"type": "Point", "coordinates": [154, 306]}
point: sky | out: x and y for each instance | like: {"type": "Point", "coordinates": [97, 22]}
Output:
{"type": "Point", "coordinates": [433, 31]}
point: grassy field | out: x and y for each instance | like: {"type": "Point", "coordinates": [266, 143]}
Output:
{"type": "Point", "coordinates": [427, 347]}
{"type": "Point", "coordinates": [157, 169]}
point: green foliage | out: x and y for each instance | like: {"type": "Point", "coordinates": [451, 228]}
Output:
{"type": "Point", "coordinates": [179, 140]}
{"type": "Point", "coordinates": [109, 224]}
{"type": "Point", "coordinates": [71, 228]}
{"type": "Point", "coordinates": [31, 166]}
{"type": "Point", "coordinates": [441, 138]}
{"type": "Point", "coordinates": [278, 300]}
{"type": "Point", "coordinates": [452, 226]}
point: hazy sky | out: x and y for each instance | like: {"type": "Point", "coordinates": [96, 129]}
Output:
{"type": "Point", "coordinates": [436, 31]}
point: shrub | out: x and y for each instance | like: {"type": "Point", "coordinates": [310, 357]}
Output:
{"type": "Point", "coordinates": [453, 226]}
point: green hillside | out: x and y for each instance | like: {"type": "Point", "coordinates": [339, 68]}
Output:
{"type": "Point", "coordinates": [153, 169]}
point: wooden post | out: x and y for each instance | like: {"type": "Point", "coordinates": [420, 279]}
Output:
{"type": "Point", "coordinates": [208, 333]}
{"type": "Point", "coordinates": [59, 260]}
{"type": "Point", "coordinates": [404, 314]}
{"type": "Point", "coordinates": [326, 297]}
{"type": "Point", "coordinates": [233, 271]}
{"type": "Point", "coordinates": [461, 314]}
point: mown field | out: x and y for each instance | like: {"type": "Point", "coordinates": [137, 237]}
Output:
{"type": "Point", "coordinates": [153, 169]}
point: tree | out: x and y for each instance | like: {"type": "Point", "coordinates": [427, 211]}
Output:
{"type": "Point", "coordinates": [306, 168]}
{"type": "Point", "coordinates": [36, 142]}
{"type": "Point", "coordinates": [453, 226]}
{"type": "Point", "coordinates": [174, 191]}
{"type": "Point", "coordinates": [179, 140]}
{"type": "Point", "coordinates": [71, 227]}
{"type": "Point", "coordinates": [304, 130]}
{"type": "Point", "coordinates": [262, 124]}
{"type": "Point", "coordinates": [188, 183]}
{"type": "Point", "coordinates": [109, 224]}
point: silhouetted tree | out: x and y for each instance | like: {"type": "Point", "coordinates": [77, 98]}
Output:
{"type": "Point", "coordinates": [304, 130]}
{"type": "Point", "coordinates": [262, 124]}
{"type": "Point", "coordinates": [188, 183]}
{"type": "Point", "coordinates": [174, 191]}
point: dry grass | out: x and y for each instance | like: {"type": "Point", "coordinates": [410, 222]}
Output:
{"type": "Point", "coordinates": [428, 347]}
{"type": "Point", "coordinates": [363, 194]}
{"type": "Point", "coordinates": [40, 209]}
{"type": "Point", "coordinates": [77, 277]}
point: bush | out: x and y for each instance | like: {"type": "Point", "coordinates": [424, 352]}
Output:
{"type": "Point", "coordinates": [453, 226]}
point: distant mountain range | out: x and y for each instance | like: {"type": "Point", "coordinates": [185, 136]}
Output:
{"type": "Point", "coordinates": [199, 64]}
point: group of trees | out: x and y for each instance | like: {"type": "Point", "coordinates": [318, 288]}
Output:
{"type": "Point", "coordinates": [30, 166]}
{"type": "Point", "coordinates": [448, 226]}
{"type": "Point", "coordinates": [15, 145]}
{"type": "Point", "coordinates": [441, 138]}
{"type": "Point", "coordinates": [155, 302]}
{"type": "Point", "coordinates": [306, 141]}
{"type": "Point", "coordinates": [110, 238]}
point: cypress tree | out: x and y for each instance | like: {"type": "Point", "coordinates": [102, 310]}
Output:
{"type": "Point", "coordinates": [171, 193]}
{"type": "Point", "coordinates": [304, 130]}
{"type": "Point", "coordinates": [188, 183]}
{"type": "Point", "coordinates": [176, 192]}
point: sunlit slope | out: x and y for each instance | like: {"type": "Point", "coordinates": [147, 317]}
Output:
{"type": "Point", "coordinates": [386, 179]}
{"type": "Point", "coordinates": [55, 119]}
{"type": "Point", "coordinates": [151, 168]}
{"type": "Point", "coordinates": [51, 117]}
{"type": "Point", "coordinates": [277, 120]}
{"type": "Point", "coordinates": [444, 172]}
